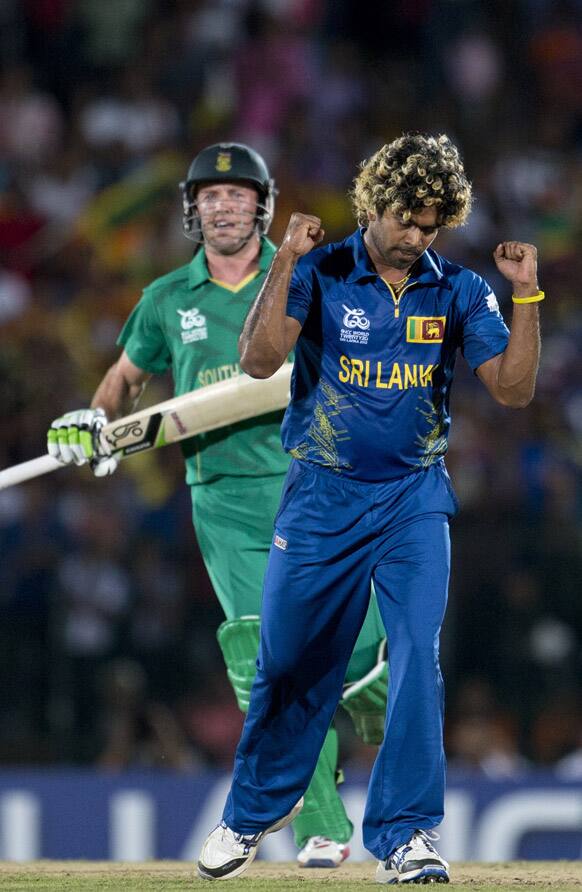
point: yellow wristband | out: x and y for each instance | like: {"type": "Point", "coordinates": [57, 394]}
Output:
{"type": "Point", "coordinates": [528, 300]}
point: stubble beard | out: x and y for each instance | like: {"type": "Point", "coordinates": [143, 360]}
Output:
{"type": "Point", "coordinates": [402, 263]}
{"type": "Point", "coordinates": [227, 248]}
{"type": "Point", "coordinates": [390, 257]}
{"type": "Point", "coordinates": [393, 258]}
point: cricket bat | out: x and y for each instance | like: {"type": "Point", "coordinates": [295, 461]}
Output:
{"type": "Point", "coordinates": [206, 409]}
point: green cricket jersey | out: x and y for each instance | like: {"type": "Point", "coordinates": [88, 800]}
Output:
{"type": "Point", "coordinates": [190, 323]}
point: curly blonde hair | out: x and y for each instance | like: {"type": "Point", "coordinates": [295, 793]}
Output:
{"type": "Point", "coordinates": [411, 173]}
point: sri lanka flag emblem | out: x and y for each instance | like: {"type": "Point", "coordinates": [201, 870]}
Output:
{"type": "Point", "coordinates": [425, 329]}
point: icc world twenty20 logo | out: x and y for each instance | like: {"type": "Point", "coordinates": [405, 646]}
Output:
{"type": "Point", "coordinates": [355, 326]}
{"type": "Point", "coordinates": [355, 319]}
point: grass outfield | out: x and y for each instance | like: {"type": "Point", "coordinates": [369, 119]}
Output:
{"type": "Point", "coordinates": [170, 876]}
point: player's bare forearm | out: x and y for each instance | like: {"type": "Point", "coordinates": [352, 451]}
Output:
{"type": "Point", "coordinates": [269, 334]}
{"type": "Point", "coordinates": [511, 376]}
{"type": "Point", "coordinates": [516, 369]}
{"type": "Point", "coordinates": [120, 389]}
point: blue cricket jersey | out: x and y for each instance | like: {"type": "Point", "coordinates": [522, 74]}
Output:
{"type": "Point", "coordinates": [373, 372]}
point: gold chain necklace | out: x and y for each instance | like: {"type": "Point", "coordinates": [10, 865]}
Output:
{"type": "Point", "coordinates": [397, 289]}
{"type": "Point", "coordinates": [398, 286]}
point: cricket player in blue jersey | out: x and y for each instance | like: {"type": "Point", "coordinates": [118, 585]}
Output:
{"type": "Point", "coordinates": [376, 322]}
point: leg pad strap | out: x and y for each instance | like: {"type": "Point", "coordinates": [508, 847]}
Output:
{"type": "Point", "coordinates": [239, 643]}
{"type": "Point", "coordinates": [366, 700]}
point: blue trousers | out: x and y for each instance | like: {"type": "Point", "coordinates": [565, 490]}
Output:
{"type": "Point", "coordinates": [333, 536]}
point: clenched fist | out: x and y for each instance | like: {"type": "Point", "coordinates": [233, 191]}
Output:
{"type": "Point", "coordinates": [303, 233]}
{"type": "Point", "coordinates": [518, 262]}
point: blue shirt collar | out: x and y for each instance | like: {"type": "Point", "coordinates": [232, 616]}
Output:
{"type": "Point", "coordinates": [428, 267]}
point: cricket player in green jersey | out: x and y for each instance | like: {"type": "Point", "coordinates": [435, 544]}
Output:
{"type": "Point", "coordinates": [189, 320]}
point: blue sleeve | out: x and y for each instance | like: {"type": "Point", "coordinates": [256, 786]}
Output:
{"type": "Point", "coordinates": [300, 294]}
{"type": "Point", "coordinates": [484, 334]}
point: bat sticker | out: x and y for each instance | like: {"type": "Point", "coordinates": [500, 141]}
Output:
{"type": "Point", "coordinates": [122, 432]}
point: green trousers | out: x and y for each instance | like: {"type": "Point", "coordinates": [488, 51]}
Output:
{"type": "Point", "coordinates": [233, 520]}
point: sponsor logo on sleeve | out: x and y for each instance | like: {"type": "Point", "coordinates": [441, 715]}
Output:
{"type": "Point", "coordinates": [425, 329]}
{"type": "Point", "coordinates": [279, 542]}
{"type": "Point", "coordinates": [492, 303]}
{"type": "Point", "coordinates": [193, 325]}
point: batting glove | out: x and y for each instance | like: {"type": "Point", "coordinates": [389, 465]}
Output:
{"type": "Point", "coordinates": [75, 438]}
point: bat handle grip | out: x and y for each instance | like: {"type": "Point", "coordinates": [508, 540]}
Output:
{"type": "Point", "coordinates": [28, 469]}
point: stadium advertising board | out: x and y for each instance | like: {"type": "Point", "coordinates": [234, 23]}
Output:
{"type": "Point", "coordinates": [140, 816]}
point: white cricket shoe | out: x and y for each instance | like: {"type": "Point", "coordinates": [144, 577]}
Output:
{"type": "Point", "coordinates": [417, 861]}
{"type": "Point", "coordinates": [227, 854]}
{"type": "Point", "coordinates": [320, 851]}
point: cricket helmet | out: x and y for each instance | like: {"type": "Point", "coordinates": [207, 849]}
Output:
{"type": "Point", "coordinates": [230, 162]}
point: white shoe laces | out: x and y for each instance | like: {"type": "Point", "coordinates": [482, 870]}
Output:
{"type": "Point", "coordinates": [240, 839]}
{"type": "Point", "coordinates": [425, 838]}
{"type": "Point", "coordinates": [419, 846]}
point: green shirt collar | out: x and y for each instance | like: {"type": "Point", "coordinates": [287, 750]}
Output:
{"type": "Point", "coordinates": [198, 274]}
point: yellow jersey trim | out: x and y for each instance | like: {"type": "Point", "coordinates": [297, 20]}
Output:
{"type": "Point", "coordinates": [397, 295]}
{"type": "Point", "coordinates": [234, 288]}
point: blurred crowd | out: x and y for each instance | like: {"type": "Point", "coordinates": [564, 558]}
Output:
{"type": "Point", "coordinates": [107, 647]}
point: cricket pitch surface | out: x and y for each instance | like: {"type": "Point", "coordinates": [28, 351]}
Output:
{"type": "Point", "coordinates": [171, 876]}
